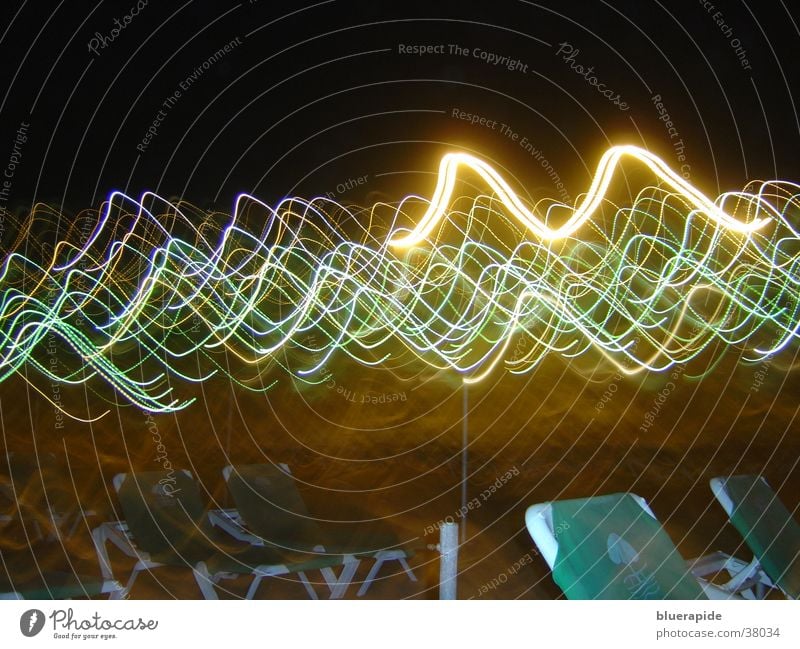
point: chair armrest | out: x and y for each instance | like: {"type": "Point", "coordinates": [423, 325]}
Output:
{"type": "Point", "coordinates": [720, 490]}
{"type": "Point", "coordinates": [539, 521]}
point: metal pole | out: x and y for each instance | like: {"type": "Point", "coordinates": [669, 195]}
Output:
{"type": "Point", "coordinates": [448, 560]}
{"type": "Point", "coordinates": [464, 458]}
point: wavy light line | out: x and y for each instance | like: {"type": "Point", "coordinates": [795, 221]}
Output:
{"type": "Point", "coordinates": [448, 171]}
{"type": "Point", "coordinates": [148, 296]}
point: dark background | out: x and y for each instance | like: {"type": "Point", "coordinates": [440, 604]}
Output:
{"type": "Point", "coordinates": [318, 93]}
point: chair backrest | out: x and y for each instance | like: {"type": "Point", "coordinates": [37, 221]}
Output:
{"type": "Point", "coordinates": [164, 512]}
{"type": "Point", "coordinates": [610, 547]}
{"type": "Point", "coordinates": [766, 525]}
{"type": "Point", "coordinates": [268, 500]}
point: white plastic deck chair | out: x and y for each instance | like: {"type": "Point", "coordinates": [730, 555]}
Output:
{"type": "Point", "coordinates": [268, 502]}
{"type": "Point", "coordinates": [153, 540]}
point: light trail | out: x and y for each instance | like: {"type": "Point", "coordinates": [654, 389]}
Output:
{"type": "Point", "coordinates": [148, 297]}
{"type": "Point", "coordinates": [448, 173]}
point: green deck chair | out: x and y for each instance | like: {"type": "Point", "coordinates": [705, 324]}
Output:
{"type": "Point", "coordinates": [166, 524]}
{"type": "Point", "coordinates": [766, 525]}
{"type": "Point", "coordinates": [58, 585]}
{"type": "Point", "coordinates": [612, 547]}
{"type": "Point", "coordinates": [271, 511]}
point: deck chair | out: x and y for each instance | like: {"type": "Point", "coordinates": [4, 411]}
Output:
{"type": "Point", "coordinates": [613, 547]}
{"type": "Point", "coordinates": [270, 511]}
{"type": "Point", "coordinates": [166, 525]}
{"type": "Point", "coordinates": [34, 492]}
{"type": "Point", "coordinates": [767, 527]}
{"type": "Point", "coordinates": [59, 585]}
